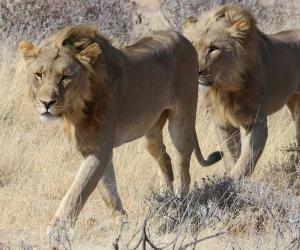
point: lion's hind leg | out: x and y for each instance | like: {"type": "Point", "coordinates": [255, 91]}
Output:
{"type": "Point", "coordinates": [181, 129]}
{"type": "Point", "coordinates": [294, 106]}
{"type": "Point", "coordinates": [157, 149]}
{"type": "Point", "coordinates": [109, 192]}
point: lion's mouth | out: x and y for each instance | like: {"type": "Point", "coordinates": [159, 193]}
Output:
{"type": "Point", "coordinates": [206, 83]}
{"type": "Point", "coordinates": [47, 117]}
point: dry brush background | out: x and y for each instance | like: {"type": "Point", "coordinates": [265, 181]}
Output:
{"type": "Point", "coordinates": [37, 163]}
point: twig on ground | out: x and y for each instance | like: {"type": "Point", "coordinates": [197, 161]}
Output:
{"type": "Point", "coordinates": [116, 242]}
{"type": "Point", "coordinates": [200, 240]}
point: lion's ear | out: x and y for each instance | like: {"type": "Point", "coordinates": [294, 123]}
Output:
{"type": "Point", "coordinates": [28, 50]}
{"type": "Point", "coordinates": [242, 22]}
{"type": "Point", "coordinates": [240, 29]}
{"type": "Point", "coordinates": [189, 21]}
{"type": "Point", "coordinates": [90, 54]}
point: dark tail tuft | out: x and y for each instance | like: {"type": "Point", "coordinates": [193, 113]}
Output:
{"type": "Point", "coordinates": [215, 157]}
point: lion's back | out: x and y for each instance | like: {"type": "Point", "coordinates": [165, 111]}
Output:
{"type": "Point", "coordinates": [162, 44]}
{"type": "Point", "coordinates": [288, 35]}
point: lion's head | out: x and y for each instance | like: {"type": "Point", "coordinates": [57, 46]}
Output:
{"type": "Point", "coordinates": [221, 37]}
{"type": "Point", "coordinates": [60, 70]}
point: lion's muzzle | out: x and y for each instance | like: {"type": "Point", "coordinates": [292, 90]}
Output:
{"type": "Point", "coordinates": [47, 110]}
{"type": "Point", "coordinates": [205, 82]}
{"type": "Point", "coordinates": [204, 78]}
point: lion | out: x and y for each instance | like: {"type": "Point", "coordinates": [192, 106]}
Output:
{"type": "Point", "coordinates": [246, 75]}
{"type": "Point", "coordinates": [107, 97]}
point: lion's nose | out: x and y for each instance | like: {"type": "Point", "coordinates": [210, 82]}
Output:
{"type": "Point", "coordinates": [48, 104]}
{"type": "Point", "coordinates": [201, 72]}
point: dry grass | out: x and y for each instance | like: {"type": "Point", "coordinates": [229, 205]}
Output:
{"type": "Point", "coordinates": [37, 165]}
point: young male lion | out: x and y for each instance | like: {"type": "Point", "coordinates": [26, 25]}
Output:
{"type": "Point", "coordinates": [107, 97]}
{"type": "Point", "coordinates": [247, 76]}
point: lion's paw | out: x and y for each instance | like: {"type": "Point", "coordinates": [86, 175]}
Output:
{"type": "Point", "coordinates": [120, 217]}
{"type": "Point", "coordinates": [59, 235]}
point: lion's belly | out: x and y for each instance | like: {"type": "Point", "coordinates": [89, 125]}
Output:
{"type": "Point", "coordinates": [280, 93]}
{"type": "Point", "coordinates": [128, 135]}
{"type": "Point", "coordinates": [273, 107]}
{"type": "Point", "coordinates": [134, 129]}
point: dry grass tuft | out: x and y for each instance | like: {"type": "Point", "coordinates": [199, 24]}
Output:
{"type": "Point", "coordinates": [242, 209]}
{"type": "Point", "coordinates": [284, 173]}
{"type": "Point", "coordinates": [198, 209]}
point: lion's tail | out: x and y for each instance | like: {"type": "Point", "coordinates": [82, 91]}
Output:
{"type": "Point", "coordinates": [212, 158]}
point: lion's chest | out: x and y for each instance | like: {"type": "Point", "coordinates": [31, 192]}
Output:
{"type": "Point", "coordinates": [227, 110]}
{"type": "Point", "coordinates": [225, 115]}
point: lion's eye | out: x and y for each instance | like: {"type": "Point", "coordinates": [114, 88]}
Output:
{"type": "Point", "coordinates": [212, 48]}
{"type": "Point", "coordinates": [38, 75]}
{"type": "Point", "coordinates": [65, 77]}
{"type": "Point", "coordinates": [64, 80]}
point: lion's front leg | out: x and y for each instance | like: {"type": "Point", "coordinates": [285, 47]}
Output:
{"type": "Point", "coordinates": [229, 139]}
{"type": "Point", "coordinates": [252, 148]}
{"type": "Point", "coordinates": [92, 168]}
